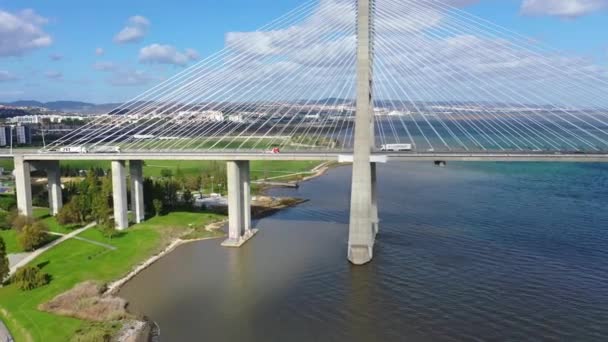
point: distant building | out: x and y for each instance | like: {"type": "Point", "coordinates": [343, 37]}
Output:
{"type": "Point", "coordinates": [236, 118]}
{"type": "Point", "coordinates": [213, 116]}
{"type": "Point", "coordinates": [5, 135]}
{"type": "Point", "coordinates": [24, 135]}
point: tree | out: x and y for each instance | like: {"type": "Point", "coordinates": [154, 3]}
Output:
{"type": "Point", "coordinates": [69, 214]}
{"type": "Point", "coordinates": [108, 229]}
{"type": "Point", "coordinates": [158, 206]}
{"type": "Point", "coordinates": [101, 209]}
{"type": "Point", "coordinates": [188, 198]}
{"type": "Point", "coordinates": [33, 236]}
{"type": "Point", "coordinates": [4, 266]}
{"type": "Point", "coordinates": [106, 187]}
{"type": "Point", "coordinates": [20, 221]}
{"type": "Point", "coordinates": [180, 177]}
{"type": "Point", "coordinates": [30, 277]}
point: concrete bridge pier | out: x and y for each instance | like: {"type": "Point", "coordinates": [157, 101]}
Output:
{"type": "Point", "coordinates": [119, 187]}
{"type": "Point", "coordinates": [239, 204]}
{"type": "Point", "coordinates": [137, 190]}
{"type": "Point", "coordinates": [53, 174]}
{"type": "Point", "coordinates": [374, 207]}
{"type": "Point", "coordinates": [363, 223]}
{"type": "Point", "coordinates": [23, 186]}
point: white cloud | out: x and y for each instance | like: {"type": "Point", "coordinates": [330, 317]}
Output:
{"type": "Point", "coordinates": [166, 54]}
{"type": "Point", "coordinates": [54, 75]}
{"type": "Point", "coordinates": [562, 8]}
{"type": "Point", "coordinates": [105, 66]}
{"type": "Point", "coordinates": [137, 27]}
{"type": "Point", "coordinates": [6, 76]}
{"type": "Point", "coordinates": [100, 51]}
{"type": "Point", "coordinates": [21, 32]}
{"type": "Point", "coordinates": [414, 43]}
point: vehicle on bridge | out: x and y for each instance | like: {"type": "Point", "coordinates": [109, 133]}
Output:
{"type": "Point", "coordinates": [274, 150]}
{"type": "Point", "coordinates": [396, 147]}
{"type": "Point", "coordinates": [105, 149]}
{"type": "Point", "coordinates": [73, 149]}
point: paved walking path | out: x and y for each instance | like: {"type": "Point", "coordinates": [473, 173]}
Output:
{"type": "Point", "coordinates": [5, 335]}
{"type": "Point", "coordinates": [15, 258]}
{"type": "Point", "coordinates": [36, 253]}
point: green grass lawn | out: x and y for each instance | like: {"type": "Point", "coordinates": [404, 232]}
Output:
{"type": "Point", "coordinates": [10, 236]}
{"type": "Point", "coordinates": [10, 239]}
{"type": "Point", "coordinates": [75, 261]}
{"type": "Point", "coordinates": [153, 168]}
{"type": "Point", "coordinates": [51, 222]}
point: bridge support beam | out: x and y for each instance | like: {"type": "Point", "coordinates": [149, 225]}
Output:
{"type": "Point", "coordinates": [53, 174]}
{"type": "Point", "coordinates": [137, 190]}
{"type": "Point", "coordinates": [361, 232]}
{"type": "Point", "coordinates": [239, 204]}
{"type": "Point", "coordinates": [23, 186]}
{"type": "Point", "coordinates": [119, 187]}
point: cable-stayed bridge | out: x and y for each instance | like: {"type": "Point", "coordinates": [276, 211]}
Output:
{"type": "Point", "coordinates": [362, 81]}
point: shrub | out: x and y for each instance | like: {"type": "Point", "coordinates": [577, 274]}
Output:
{"type": "Point", "coordinates": [188, 199]}
{"type": "Point", "coordinates": [30, 277]}
{"type": "Point", "coordinates": [33, 236]}
{"type": "Point", "coordinates": [5, 221]}
{"type": "Point", "coordinates": [4, 267]}
{"type": "Point", "coordinates": [69, 214]}
{"type": "Point", "coordinates": [8, 202]}
{"type": "Point", "coordinates": [87, 301]}
{"type": "Point", "coordinates": [158, 206]}
{"type": "Point", "coordinates": [20, 221]}
{"type": "Point", "coordinates": [108, 229]}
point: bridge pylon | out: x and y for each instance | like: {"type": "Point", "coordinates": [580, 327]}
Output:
{"type": "Point", "coordinates": [363, 215]}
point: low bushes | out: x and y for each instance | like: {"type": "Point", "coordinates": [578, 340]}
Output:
{"type": "Point", "coordinates": [33, 235]}
{"type": "Point", "coordinates": [86, 301]}
{"type": "Point", "coordinates": [29, 278]}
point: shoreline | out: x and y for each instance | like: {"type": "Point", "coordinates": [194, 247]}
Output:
{"type": "Point", "coordinates": [115, 286]}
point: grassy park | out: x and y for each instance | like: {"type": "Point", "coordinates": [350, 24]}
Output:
{"type": "Point", "coordinates": [153, 168]}
{"type": "Point", "coordinates": [75, 261]}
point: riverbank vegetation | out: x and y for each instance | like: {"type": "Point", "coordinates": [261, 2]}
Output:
{"type": "Point", "coordinates": [102, 254]}
{"type": "Point", "coordinates": [76, 261]}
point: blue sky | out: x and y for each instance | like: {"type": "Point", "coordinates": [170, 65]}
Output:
{"type": "Point", "coordinates": [64, 65]}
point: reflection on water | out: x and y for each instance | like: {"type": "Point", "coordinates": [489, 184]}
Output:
{"type": "Point", "coordinates": [492, 251]}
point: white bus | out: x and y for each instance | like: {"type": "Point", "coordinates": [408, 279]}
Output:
{"type": "Point", "coordinates": [105, 149]}
{"type": "Point", "coordinates": [73, 149]}
{"type": "Point", "coordinates": [396, 147]}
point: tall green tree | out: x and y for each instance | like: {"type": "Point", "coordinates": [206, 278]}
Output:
{"type": "Point", "coordinates": [4, 266]}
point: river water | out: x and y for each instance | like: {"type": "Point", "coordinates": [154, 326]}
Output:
{"type": "Point", "coordinates": [468, 252]}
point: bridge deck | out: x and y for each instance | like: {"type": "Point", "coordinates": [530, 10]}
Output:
{"type": "Point", "coordinates": [324, 156]}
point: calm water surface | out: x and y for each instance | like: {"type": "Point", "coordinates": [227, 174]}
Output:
{"type": "Point", "coordinates": [469, 252]}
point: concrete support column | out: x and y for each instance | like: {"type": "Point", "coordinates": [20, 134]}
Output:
{"type": "Point", "coordinates": [361, 232]}
{"type": "Point", "coordinates": [119, 186]}
{"type": "Point", "coordinates": [246, 181]}
{"type": "Point", "coordinates": [23, 187]}
{"type": "Point", "coordinates": [137, 190]}
{"type": "Point", "coordinates": [53, 174]}
{"type": "Point", "coordinates": [374, 214]}
{"type": "Point", "coordinates": [239, 204]}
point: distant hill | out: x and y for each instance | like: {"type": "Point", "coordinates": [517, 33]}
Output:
{"type": "Point", "coordinates": [67, 106]}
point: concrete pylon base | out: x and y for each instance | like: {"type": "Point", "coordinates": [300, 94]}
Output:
{"type": "Point", "coordinates": [360, 254]}
{"type": "Point", "coordinates": [241, 241]}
